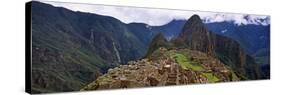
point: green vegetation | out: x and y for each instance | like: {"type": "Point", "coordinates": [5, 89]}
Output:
{"type": "Point", "coordinates": [186, 63]}
{"type": "Point", "coordinates": [211, 77]}
{"type": "Point", "coordinates": [234, 77]}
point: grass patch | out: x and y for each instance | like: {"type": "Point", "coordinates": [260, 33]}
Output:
{"type": "Point", "coordinates": [211, 77]}
{"type": "Point", "coordinates": [186, 63]}
{"type": "Point", "coordinates": [234, 77]}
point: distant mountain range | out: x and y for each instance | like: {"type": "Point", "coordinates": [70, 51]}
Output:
{"type": "Point", "coordinates": [71, 49]}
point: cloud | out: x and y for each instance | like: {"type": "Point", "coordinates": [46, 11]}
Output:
{"type": "Point", "coordinates": [156, 17]}
{"type": "Point", "coordinates": [238, 19]}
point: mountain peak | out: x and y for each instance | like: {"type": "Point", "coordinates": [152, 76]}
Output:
{"type": "Point", "coordinates": [158, 41]}
{"type": "Point", "coordinates": [193, 28]}
{"type": "Point", "coordinates": [195, 19]}
{"type": "Point", "coordinates": [194, 22]}
{"type": "Point", "coordinates": [195, 16]}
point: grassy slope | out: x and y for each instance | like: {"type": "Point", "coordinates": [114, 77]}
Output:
{"type": "Point", "coordinates": [211, 77]}
{"type": "Point", "coordinates": [185, 63]}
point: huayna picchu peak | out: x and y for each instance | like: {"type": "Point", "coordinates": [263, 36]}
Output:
{"type": "Point", "coordinates": [196, 36]}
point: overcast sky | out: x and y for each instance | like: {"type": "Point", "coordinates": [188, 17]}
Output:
{"type": "Point", "coordinates": [155, 17]}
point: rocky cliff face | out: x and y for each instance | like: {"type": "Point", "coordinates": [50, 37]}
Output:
{"type": "Point", "coordinates": [165, 67]}
{"type": "Point", "coordinates": [70, 49]}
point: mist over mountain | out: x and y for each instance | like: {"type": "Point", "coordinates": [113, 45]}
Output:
{"type": "Point", "coordinates": [238, 20]}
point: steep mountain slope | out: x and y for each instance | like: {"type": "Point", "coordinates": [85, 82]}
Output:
{"type": "Point", "coordinates": [70, 49]}
{"type": "Point", "coordinates": [196, 36]}
{"type": "Point", "coordinates": [165, 67]}
{"type": "Point", "coordinates": [253, 38]}
{"type": "Point", "coordinates": [142, 32]}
